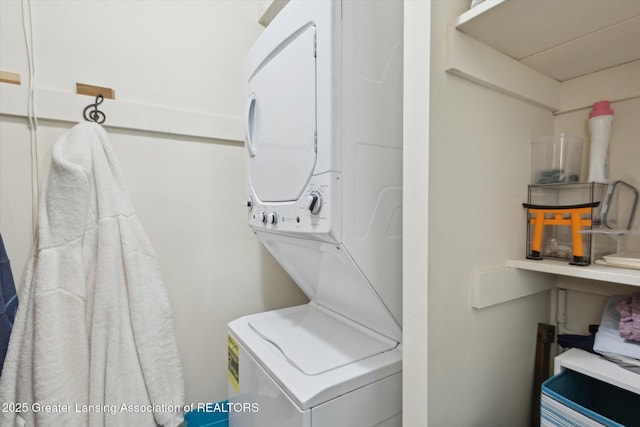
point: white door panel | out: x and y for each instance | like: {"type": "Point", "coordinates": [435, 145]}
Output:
{"type": "Point", "coordinates": [281, 119]}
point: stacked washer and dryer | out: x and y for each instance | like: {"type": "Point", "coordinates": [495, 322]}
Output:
{"type": "Point", "coordinates": [324, 146]}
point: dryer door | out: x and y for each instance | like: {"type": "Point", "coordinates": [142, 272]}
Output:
{"type": "Point", "coordinates": [281, 119]}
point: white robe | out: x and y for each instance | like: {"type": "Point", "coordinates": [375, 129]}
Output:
{"type": "Point", "coordinates": [94, 334]}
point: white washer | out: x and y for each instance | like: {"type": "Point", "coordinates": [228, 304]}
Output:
{"type": "Point", "coordinates": [324, 147]}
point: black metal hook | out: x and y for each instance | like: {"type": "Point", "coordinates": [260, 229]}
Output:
{"type": "Point", "coordinates": [94, 115]}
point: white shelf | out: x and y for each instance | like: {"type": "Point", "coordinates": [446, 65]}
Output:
{"type": "Point", "coordinates": [534, 50]}
{"type": "Point", "coordinates": [597, 367]}
{"type": "Point", "coordinates": [562, 39]}
{"type": "Point", "coordinates": [593, 272]}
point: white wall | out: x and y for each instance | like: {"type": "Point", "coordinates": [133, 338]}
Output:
{"type": "Point", "coordinates": [480, 361]}
{"type": "Point", "coordinates": [417, 26]}
{"type": "Point", "coordinates": [178, 53]}
{"type": "Point", "coordinates": [586, 299]}
{"type": "Point", "coordinates": [188, 192]}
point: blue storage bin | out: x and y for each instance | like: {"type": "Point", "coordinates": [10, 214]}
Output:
{"type": "Point", "coordinates": [204, 418]}
{"type": "Point", "coordinates": [574, 399]}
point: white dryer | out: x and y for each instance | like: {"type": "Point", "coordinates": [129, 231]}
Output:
{"type": "Point", "coordinates": [324, 147]}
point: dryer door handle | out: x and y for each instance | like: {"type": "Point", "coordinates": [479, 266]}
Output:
{"type": "Point", "coordinates": [250, 125]}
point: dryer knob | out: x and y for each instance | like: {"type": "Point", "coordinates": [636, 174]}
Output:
{"type": "Point", "coordinates": [314, 203]}
{"type": "Point", "coordinates": [262, 217]}
{"type": "Point", "coordinates": [272, 218]}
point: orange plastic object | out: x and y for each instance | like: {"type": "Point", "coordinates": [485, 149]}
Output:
{"type": "Point", "coordinates": [575, 216]}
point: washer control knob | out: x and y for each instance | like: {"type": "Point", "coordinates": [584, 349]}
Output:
{"type": "Point", "coordinates": [272, 218]}
{"type": "Point", "coordinates": [314, 203]}
{"type": "Point", "coordinates": [262, 217]}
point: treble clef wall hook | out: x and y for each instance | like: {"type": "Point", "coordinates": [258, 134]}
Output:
{"type": "Point", "coordinates": [94, 115]}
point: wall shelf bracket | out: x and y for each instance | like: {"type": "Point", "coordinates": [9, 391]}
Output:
{"type": "Point", "coordinates": [491, 287]}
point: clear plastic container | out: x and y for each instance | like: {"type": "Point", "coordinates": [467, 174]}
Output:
{"type": "Point", "coordinates": [557, 241]}
{"type": "Point", "coordinates": [556, 159]}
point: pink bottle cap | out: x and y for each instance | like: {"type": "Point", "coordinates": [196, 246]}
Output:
{"type": "Point", "coordinates": [601, 108]}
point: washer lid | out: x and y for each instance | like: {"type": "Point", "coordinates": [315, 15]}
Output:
{"type": "Point", "coordinates": [281, 119]}
{"type": "Point", "coordinates": [305, 332]}
{"type": "Point", "coordinates": [330, 278]}
{"type": "Point", "coordinates": [315, 341]}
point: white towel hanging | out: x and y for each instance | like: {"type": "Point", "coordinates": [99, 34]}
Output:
{"type": "Point", "coordinates": [94, 330]}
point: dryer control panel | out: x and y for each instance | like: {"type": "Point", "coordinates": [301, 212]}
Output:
{"type": "Point", "coordinates": [315, 212]}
